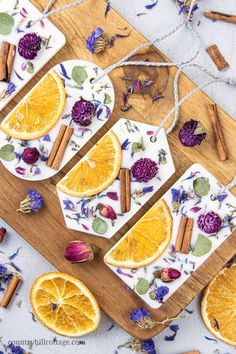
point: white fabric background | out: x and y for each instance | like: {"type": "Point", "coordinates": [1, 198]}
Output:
{"type": "Point", "coordinates": [16, 321]}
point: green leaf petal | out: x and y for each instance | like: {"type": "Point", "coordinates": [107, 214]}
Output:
{"type": "Point", "coordinates": [7, 152]}
{"type": "Point", "coordinates": [201, 186]}
{"type": "Point", "coordinates": [107, 98]}
{"type": "Point", "coordinates": [202, 246]}
{"type": "Point", "coordinates": [142, 286]}
{"type": "Point", "coordinates": [100, 226]}
{"type": "Point", "coordinates": [7, 23]}
{"type": "Point", "coordinates": [30, 67]}
{"type": "Point", "coordinates": [79, 75]}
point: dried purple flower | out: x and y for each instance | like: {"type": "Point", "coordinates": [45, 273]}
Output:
{"type": "Point", "coordinates": [15, 349]}
{"type": "Point", "coordinates": [30, 155]}
{"type": "Point", "coordinates": [29, 45]}
{"type": "Point", "coordinates": [107, 212]}
{"type": "Point", "coordinates": [3, 269]}
{"type": "Point", "coordinates": [174, 328]}
{"type": "Point", "coordinates": [142, 317]}
{"type": "Point", "coordinates": [97, 41]}
{"type": "Point", "coordinates": [33, 202]}
{"type": "Point", "coordinates": [144, 169]}
{"type": "Point", "coordinates": [145, 346]}
{"type": "Point", "coordinates": [82, 112]}
{"type": "Point", "coordinates": [167, 274]}
{"type": "Point", "coordinates": [159, 293]}
{"type": "Point", "coordinates": [79, 252]}
{"type": "Point", "coordinates": [209, 222]}
{"type": "Point", "coordinates": [192, 133]}
{"type": "Point", "coordinates": [2, 233]}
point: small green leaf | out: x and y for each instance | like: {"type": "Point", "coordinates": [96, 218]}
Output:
{"type": "Point", "coordinates": [79, 75]}
{"type": "Point", "coordinates": [30, 67]}
{"type": "Point", "coordinates": [7, 23]}
{"type": "Point", "coordinates": [107, 98]}
{"type": "Point", "coordinates": [142, 286]}
{"type": "Point", "coordinates": [100, 226]}
{"type": "Point", "coordinates": [202, 246]}
{"type": "Point", "coordinates": [200, 129]}
{"type": "Point", "coordinates": [201, 186]}
{"type": "Point", "coordinates": [138, 146]}
{"type": "Point", "coordinates": [7, 152]}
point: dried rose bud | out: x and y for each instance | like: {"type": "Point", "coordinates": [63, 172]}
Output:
{"type": "Point", "coordinates": [107, 211]}
{"type": "Point", "coordinates": [30, 155]}
{"type": "Point", "coordinates": [2, 233]}
{"type": "Point", "coordinates": [167, 274]}
{"type": "Point", "coordinates": [79, 251]}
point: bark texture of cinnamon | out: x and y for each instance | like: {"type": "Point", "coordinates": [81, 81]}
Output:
{"type": "Point", "coordinates": [192, 352]}
{"type": "Point", "coordinates": [7, 57]}
{"type": "Point", "coordinates": [218, 132]}
{"type": "Point", "coordinates": [9, 292]}
{"type": "Point", "coordinates": [214, 15]}
{"type": "Point", "coordinates": [184, 235]}
{"type": "Point", "coordinates": [60, 146]}
{"type": "Point", "coordinates": [125, 192]}
{"type": "Point", "coordinates": [217, 57]}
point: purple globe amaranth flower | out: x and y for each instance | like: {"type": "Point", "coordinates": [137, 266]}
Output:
{"type": "Point", "coordinates": [30, 155]}
{"type": "Point", "coordinates": [97, 41]}
{"type": "Point", "coordinates": [29, 45]}
{"type": "Point", "coordinates": [82, 112]}
{"type": "Point", "coordinates": [80, 251]}
{"type": "Point", "coordinates": [167, 274]}
{"type": "Point", "coordinates": [33, 202]}
{"type": "Point", "coordinates": [209, 222]}
{"type": "Point", "coordinates": [144, 169]}
{"type": "Point", "coordinates": [2, 233]}
{"type": "Point", "coordinates": [192, 133]}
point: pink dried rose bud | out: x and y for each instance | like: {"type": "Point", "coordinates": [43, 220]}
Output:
{"type": "Point", "coordinates": [80, 251]}
{"type": "Point", "coordinates": [167, 274]}
{"type": "Point", "coordinates": [2, 233]}
{"type": "Point", "coordinates": [30, 155]}
{"type": "Point", "coordinates": [107, 211]}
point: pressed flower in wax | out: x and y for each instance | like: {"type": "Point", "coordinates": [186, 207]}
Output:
{"type": "Point", "coordinates": [30, 155]}
{"type": "Point", "coordinates": [144, 169]}
{"type": "Point", "coordinates": [29, 45]}
{"type": "Point", "coordinates": [83, 112]}
{"type": "Point", "coordinates": [210, 222]}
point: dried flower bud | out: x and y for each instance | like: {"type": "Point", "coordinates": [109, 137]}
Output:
{"type": "Point", "coordinates": [107, 211]}
{"type": "Point", "coordinates": [2, 233]}
{"type": "Point", "coordinates": [79, 251]}
{"type": "Point", "coordinates": [30, 155]}
{"type": "Point", "coordinates": [167, 274]}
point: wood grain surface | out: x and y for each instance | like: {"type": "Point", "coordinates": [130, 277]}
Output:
{"type": "Point", "coordinates": [47, 232]}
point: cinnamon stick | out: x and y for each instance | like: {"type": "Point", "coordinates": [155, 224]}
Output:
{"type": "Point", "coordinates": [125, 193]}
{"type": "Point", "coordinates": [184, 235]}
{"type": "Point", "coordinates": [10, 60]}
{"type": "Point", "coordinates": [192, 352]}
{"type": "Point", "coordinates": [180, 235]}
{"type": "Point", "coordinates": [217, 57]}
{"type": "Point", "coordinates": [214, 15]}
{"type": "Point", "coordinates": [4, 49]}
{"type": "Point", "coordinates": [9, 292]}
{"type": "Point", "coordinates": [59, 147]}
{"type": "Point", "coordinates": [218, 132]}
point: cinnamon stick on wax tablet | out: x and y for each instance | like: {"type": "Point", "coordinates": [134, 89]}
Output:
{"type": "Point", "coordinates": [125, 192]}
{"type": "Point", "coordinates": [7, 57]}
{"type": "Point", "coordinates": [60, 146]}
{"type": "Point", "coordinates": [184, 235]}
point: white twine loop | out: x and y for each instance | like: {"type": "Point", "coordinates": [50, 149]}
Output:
{"type": "Point", "coordinates": [50, 3]}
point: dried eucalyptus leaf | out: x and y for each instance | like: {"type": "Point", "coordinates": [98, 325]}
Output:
{"type": "Point", "coordinates": [30, 67]}
{"type": "Point", "coordinates": [107, 98]}
{"type": "Point", "coordinates": [201, 186]}
{"type": "Point", "coordinates": [142, 286]}
{"type": "Point", "coordinates": [7, 23]}
{"type": "Point", "coordinates": [202, 246]}
{"type": "Point", "coordinates": [100, 226]}
{"type": "Point", "coordinates": [7, 152]}
{"type": "Point", "coordinates": [138, 146]}
{"type": "Point", "coordinates": [79, 75]}
{"type": "Point", "coordinates": [200, 129]}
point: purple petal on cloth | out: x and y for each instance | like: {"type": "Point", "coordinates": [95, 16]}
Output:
{"type": "Point", "coordinates": [151, 6]}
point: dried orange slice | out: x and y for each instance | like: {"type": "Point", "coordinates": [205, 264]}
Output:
{"type": "Point", "coordinates": [64, 304]}
{"type": "Point", "coordinates": [218, 306]}
{"type": "Point", "coordinates": [146, 241]}
{"type": "Point", "coordinates": [96, 170]}
{"type": "Point", "coordinates": [39, 111]}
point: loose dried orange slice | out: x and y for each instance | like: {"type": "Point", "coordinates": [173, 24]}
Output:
{"type": "Point", "coordinates": [96, 170]}
{"type": "Point", "coordinates": [146, 241]}
{"type": "Point", "coordinates": [39, 111]}
{"type": "Point", "coordinates": [64, 304]}
{"type": "Point", "coordinates": [218, 306]}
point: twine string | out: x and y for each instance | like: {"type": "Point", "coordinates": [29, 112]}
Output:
{"type": "Point", "coordinates": [46, 13]}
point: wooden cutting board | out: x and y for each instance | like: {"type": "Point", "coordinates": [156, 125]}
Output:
{"type": "Point", "coordinates": [47, 232]}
